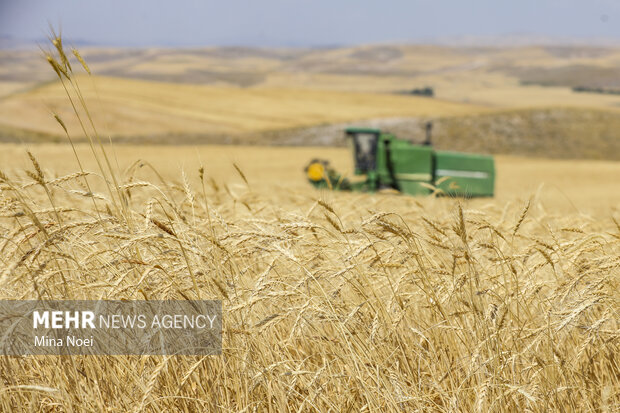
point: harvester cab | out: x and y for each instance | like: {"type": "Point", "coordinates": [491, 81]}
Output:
{"type": "Point", "coordinates": [415, 169]}
{"type": "Point", "coordinates": [364, 144]}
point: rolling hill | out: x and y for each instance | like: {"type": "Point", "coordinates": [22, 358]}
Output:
{"type": "Point", "coordinates": [136, 107]}
{"type": "Point", "coordinates": [506, 99]}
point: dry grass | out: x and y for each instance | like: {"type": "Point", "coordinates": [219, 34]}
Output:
{"type": "Point", "coordinates": [133, 107]}
{"type": "Point", "coordinates": [332, 301]}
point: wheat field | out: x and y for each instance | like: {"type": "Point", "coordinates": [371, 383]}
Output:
{"type": "Point", "coordinates": [333, 301]}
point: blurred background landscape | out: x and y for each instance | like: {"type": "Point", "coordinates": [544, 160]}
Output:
{"type": "Point", "coordinates": [558, 101]}
{"type": "Point", "coordinates": [296, 75]}
{"type": "Point", "coordinates": [529, 83]}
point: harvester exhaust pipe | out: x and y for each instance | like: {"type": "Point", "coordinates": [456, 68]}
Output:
{"type": "Point", "coordinates": [429, 128]}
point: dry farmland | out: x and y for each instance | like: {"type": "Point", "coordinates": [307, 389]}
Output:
{"type": "Point", "coordinates": [332, 301]}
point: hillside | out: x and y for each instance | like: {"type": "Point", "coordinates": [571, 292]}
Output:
{"type": "Point", "coordinates": [142, 108]}
{"type": "Point", "coordinates": [521, 98]}
{"type": "Point", "coordinates": [378, 68]}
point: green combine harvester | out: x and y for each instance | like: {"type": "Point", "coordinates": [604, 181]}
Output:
{"type": "Point", "coordinates": [415, 169]}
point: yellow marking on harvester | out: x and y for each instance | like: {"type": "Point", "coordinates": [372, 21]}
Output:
{"type": "Point", "coordinates": [316, 171]}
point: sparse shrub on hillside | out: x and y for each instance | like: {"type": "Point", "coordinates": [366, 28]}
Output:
{"type": "Point", "coordinates": [423, 91]}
